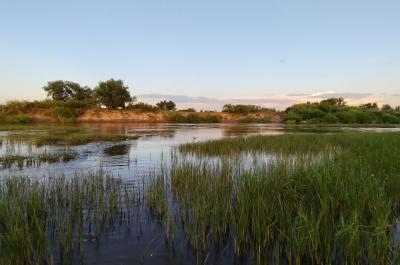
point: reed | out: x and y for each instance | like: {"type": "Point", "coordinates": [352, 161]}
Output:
{"type": "Point", "coordinates": [49, 219]}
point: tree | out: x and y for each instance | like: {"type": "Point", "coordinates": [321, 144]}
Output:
{"type": "Point", "coordinates": [66, 90]}
{"type": "Point", "coordinates": [56, 90]}
{"type": "Point", "coordinates": [386, 108]}
{"type": "Point", "coordinates": [334, 101]}
{"type": "Point", "coordinates": [113, 94]}
{"type": "Point", "coordinates": [166, 105]}
{"type": "Point", "coordinates": [369, 106]}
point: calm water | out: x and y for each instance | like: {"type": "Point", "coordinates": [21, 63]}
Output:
{"type": "Point", "coordinates": [130, 160]}
{"type": "Point", "coordinates": [134, 157]}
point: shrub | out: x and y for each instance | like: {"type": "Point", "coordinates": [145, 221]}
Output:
{"type": "Point", "coordinates": [293, 117]}
{"type": "Point", "coordinates": [347, 117]}
{"type": "Point", "coordinates": [143, 107]}
{"type": "Point", "coordinates": [245, 109]}
{"type": "Point", "coordinates": [390, 119]}
{"type": "Point", "coordinates": [366, 117]}
{"type": "Point", "coordinates": [330, 118]}
{"type": "Point", "coordinates": [177, 117]}
{"type": "Point", "coordinates": [62, 114]}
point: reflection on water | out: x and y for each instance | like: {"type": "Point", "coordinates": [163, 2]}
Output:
{"type": "Point", "coordinates": [134, 157]}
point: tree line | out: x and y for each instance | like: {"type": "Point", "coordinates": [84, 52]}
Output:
{"type": "Point", "coordinates": [336, 110]}
{"type": "Point", "coordinates": [112, 94]}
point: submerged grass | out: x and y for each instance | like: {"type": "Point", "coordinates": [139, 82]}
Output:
{"type": "Point", "coordinates": [341, 210]}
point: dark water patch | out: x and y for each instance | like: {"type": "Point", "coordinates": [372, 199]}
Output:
{"type": "Point", "coordinates": [120, 149]}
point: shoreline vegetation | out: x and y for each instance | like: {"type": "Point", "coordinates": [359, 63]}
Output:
{"type": "Point", "coordinates": [111, 101]}
{"type": "Point", "coordinates": [318, 199]}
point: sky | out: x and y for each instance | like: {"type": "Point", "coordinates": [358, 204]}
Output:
{"type": "Point", "coordinates": [205, 53]}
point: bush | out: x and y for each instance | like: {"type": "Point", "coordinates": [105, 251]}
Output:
{"type": "Point", "coordinates": [347, 117]}
{"type": "Point", "coordinates": [143, 107]}
{"type": "Point", "coordinates": [177, 117]}
{"type": "Point", "coordinates": [62, 114]}
{"type": "Point", "coordinates": [293, 118]}
{"type": "Point", "coordinates": [22, 118]}
{"type": "Point", "coordinates": [390, 119]}
{"type": "Point", "coordinates": [330, 118]}
{"type": "Point", "coordinates": [366, 118]}
{"type": "Point", "coordinates": [245, 109]}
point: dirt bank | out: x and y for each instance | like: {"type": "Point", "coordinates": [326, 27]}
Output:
{"type": "Point", "coordinates": [105, 115]}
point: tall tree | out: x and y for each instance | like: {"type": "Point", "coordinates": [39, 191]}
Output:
{"type": "Point", "coordinates": [66, 90]}
{"type": "Point", "coordinates": [113, 94]}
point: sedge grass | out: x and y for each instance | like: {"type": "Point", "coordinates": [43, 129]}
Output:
{"type": "Point", "coordinates": [342, 209]}
{"type": "Point", "coordinates": [48, 219]}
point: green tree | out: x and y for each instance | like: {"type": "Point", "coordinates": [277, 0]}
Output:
{"type": "Point", "coordinates": [386, 108]}
{"type": "Point", "coordinates": [113, 94]}
{"type": "Point", "coordinates": [369, 106]}
{"type": "Point", "coordinates": [66, 90]}
{"type": "Point", "coordinates": [166, 105]}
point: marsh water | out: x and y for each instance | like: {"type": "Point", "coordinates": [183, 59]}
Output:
{"type": "Point", "coordinates": [130, 160]}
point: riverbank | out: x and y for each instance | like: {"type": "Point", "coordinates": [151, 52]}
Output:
{"type": "Point", "coordinates": [127, 115]}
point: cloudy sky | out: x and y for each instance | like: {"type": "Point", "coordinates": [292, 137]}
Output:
{"type": "Point", "coordinates": [205, 53]}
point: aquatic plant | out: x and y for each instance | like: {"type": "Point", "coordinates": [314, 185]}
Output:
{"type": "Point", "coordinates": [324, 199]}
{"type": "Point", "coordinates": [46, 220]}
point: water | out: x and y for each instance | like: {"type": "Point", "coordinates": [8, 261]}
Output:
{"type": "Point", "coordinates": [144, 154]}
{"type": "Point", "coordinates": [130, 160]}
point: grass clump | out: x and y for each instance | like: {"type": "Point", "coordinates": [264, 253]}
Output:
{"type": "Point", "coordinates": [321, 199]}
{"type": "Point", "coordinates": [19, 161]}
{"type": "Point", "coordinates": [46, 221]}
{"type": "Point", "coordinates": [16, 119]}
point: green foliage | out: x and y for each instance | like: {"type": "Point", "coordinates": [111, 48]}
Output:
{"type": "Point", "coordinates": [335, 110]}
{"type": "Point", "coordinates": [330, 118]}
{"type": "Point", "coordinates": [322, 199]}
{"type": "Point", "coordinates": [366, 117]}
{"type": "Point", "coordinates": [47, 219]}
{"type": "Point", "coordinates": [113, 94]}
{"type": "Point", "coordinates": [21, 118]}
{"type": "Point", "coordinates": [166, 105]}
{"type": "Point", "coordinates": [143, 107]}
{"type": "Point", "coordinates": [347, 117]}
{"type": "Point", "coordinates": [63, 114]}
{"type": "Point", "coordinates": [177, 117]}
{"type": "Point", "coordinates": [245, 109]}
{"type": "Point", "coordinates": [293, 117]}
{"type": "Point", "coordinates": [67, 90]}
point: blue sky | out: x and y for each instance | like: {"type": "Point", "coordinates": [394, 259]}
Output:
{"type": "Point", "coordinates": [205, 52]}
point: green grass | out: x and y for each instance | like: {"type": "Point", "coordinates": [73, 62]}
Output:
{"type": "Point", "coordinates": [8, 161]}
{"type": "Point", "coordinates": [41, 219]}
{"type": "Point", "coordinates": [339, 208]}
